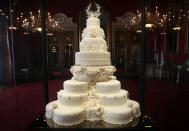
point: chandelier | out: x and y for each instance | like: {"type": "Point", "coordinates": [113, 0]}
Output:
{"type": "Point", "coordinates": [153, 20]}
{"type": "Point", "coordinates": [33, 23]}
{"type": "Point", "coordinates": [158, 20]}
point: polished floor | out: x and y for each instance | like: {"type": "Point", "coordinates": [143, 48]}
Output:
{"type": "Point", "coordinates": [166, 104]}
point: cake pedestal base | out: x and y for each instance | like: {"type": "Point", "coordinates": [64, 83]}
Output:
{"type": "Point", "coordinates": [43, 124]}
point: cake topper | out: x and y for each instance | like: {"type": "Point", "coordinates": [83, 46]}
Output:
{"type": "Point", "coordinates": [93, 13]}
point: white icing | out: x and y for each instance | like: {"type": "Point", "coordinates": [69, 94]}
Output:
{"type": "Point", "coordinates": [136, 108]}
{"type": "Point", "coordinates": [72, 78]}
{"type": "Point", "coordinates": [92, 58]}
{"type": "Point", "coordinates": [93, 32]}
{"type": "Point", "coordinates": [93, 45]}
{"type": "Point", "coordinates": [93, 22]}
{"type": "Point", "coordinates": [74, 86]}
{"type": "Point", "coordinates": [49, 109]}
{"type": "Point", "coordinates": [65, 115]}
{"type": "Point", "coordinates": [69, 116]}
{"type": "Point", "coordinates": [94, 113]}
{"type": "Point", "coordinates": [113, 99]}
{"type": "Point", "coordinates": [85, 73]}
{"type": "Point", "coordinates": [90, 62]}
{"type": "Point", "coordinates": [117, 115]}
{"type": "Point", "coordinates": [113, 77]}
{"type": "Point", "coordinates": [112, 86]}
{"type": "Point", "coordinates": [71, 99]}
{"type": "Point", "coordinates": [93, 93]}
{"type": "Point", "coordinates": [135, 121]}
{"type": "Point", "coordinates": [92, 55]}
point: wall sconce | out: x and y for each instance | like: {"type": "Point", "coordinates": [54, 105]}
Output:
{"type": "Point", "coordinates": [53, 49]}
{"type": "Point", "coordinates": [12, 28]}
{"type": "Point", "coordinates": [177, 28]}
{"type": "Point", "coordinates": [39, 29]}
{"type": "Point", "coordinates": [26, 33]}
{"type": "Point", "coordinates": [49, 34]}
{"type": "Point", "coordinates": [163, 33]}
{"type": "Point", "coordinates": [138, 31]}
{"type": "Point", "coordinates": [149, 25]}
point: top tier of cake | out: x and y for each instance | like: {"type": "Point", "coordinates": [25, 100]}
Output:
{"type": "Point", "coordinates": [93, 47]}
{"type": "Point", "coordinates": [93, 37]}
{"type": "Point", "coordinates": [93, 22]}
{"type": "Point", "coordinates": [93, 29]}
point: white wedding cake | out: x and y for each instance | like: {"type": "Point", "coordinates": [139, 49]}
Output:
{"type": "Point", "coordinates": [93, 93]}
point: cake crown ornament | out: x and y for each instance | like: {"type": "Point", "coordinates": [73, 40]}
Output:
{"type": "Point", "coordinates": [93, 13]}
{"type": "Point", "coordinates": [93, 93]}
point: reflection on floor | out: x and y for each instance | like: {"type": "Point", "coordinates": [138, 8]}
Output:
{"type": "Point", "coordinates": [167, 105]}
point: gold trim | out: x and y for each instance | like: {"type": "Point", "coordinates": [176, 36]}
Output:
{"type": "Point", "coordinates": [148, 126]}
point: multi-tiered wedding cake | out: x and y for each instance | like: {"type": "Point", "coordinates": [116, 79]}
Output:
{"type": "Point", "coordinates": [93, 93]}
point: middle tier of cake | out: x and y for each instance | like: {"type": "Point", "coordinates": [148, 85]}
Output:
{"type": "Point", "coordinates": [71, 99]}
{"type": "Point", "coordinates": [92, 58]}
{"type": "Point", "coordinates": [92, 73]}
{"type": "Point", "coordinates": [114, 99]}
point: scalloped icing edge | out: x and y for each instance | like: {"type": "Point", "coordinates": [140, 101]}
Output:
{"type": "Point", "coordinates": [93, 119]}
{"type": "Point", "coordinates": [71, 123]}
{"type": "Point", "coordinates": [125, 122]}
{"type": "Point", "coordinates": [108, 121]}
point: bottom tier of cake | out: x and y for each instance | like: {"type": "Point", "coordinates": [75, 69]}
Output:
{"type": "Point", "coordinates": [65, 115]}
{"type": "Point", "coordinates": [69, 115]}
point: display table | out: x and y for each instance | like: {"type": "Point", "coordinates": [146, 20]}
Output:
{"type": "Point", "coordinates": [41, 124]}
